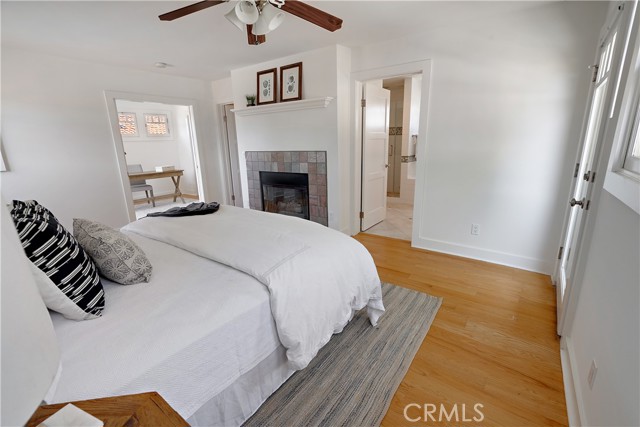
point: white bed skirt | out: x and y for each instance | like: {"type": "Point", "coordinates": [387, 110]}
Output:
{"type": "Point", "coordinates": [235, 404]}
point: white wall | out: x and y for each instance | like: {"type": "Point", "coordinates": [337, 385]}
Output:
{"type": "Point", "coordinates": [57, 137]}
{"type": "Point", "coordinates": [506, 102]}
{"type": "Point", "coordinates": [173, 150]}
{"type": "Point", "coordinates": [319, 129]}
{"type": "Point", "coordinates": [606, 327]}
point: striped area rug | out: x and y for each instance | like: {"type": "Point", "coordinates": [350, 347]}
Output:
{"type": "Point", "coordinates": [353, 378]}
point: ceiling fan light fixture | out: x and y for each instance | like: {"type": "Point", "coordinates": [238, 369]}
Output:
{"type": "Point", "coordinates": [233, 18]}
{"type": "Point", "coordinates": [270, 18]}
{"type": "Point", "coordinates": [247, 12]}
{"type": "Point", "coordinates": [259, 17]}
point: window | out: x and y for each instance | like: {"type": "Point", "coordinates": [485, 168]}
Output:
{"type": "Point", "coordinates": [631, 161]}
{"type": "Point", "coordinates": [128, 124]}
{"type": "Point", "coordinates": [156, 124]}
{"type": "Point", "coordinates": [622, 178]}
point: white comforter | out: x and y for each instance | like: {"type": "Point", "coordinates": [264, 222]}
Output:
{"type": "Point", "coordinates": [316, 277]}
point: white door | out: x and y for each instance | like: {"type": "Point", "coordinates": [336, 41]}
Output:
{"type": "Point", "coordinates": [232, 156]}
{"type": "Point", "coordinates": [584, 172]}
{"type": "Point", "coordinates": [375, 148]}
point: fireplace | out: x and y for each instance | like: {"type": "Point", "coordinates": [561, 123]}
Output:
{"type": "Point", "coordinates": [312, 164]}
{"type": "Point", "coordinates": [285, 193]}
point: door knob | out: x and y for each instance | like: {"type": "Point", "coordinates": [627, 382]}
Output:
{"type": "Point", "coordinates": [574, 202]}
{"type": "Point", "coordinates": [386, 166]}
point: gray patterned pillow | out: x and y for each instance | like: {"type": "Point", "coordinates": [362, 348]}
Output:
{"type": "Point", "coordinates": [117, 257]}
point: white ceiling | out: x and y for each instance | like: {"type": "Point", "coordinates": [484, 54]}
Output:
{"type": "Point", "coordinates": [205, 45]}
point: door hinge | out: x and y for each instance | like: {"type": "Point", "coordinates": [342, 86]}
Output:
{"type": "Point", "coordinates": [224, 118]}
{"type": "Point", "coordinates": [361, 215]}
{"type": "Point", "coordinates": [590, 176]}
{"type": "Point", "coordinates": [363, 103]}
{"type": "Point", "coordinates": [233, 197]}
{"type": "Point", "coordinates": [595, 72]}
{"type": "Point", "coordinates": [575, 172]}
{"type": "Point", "coordinates": [560, 252]}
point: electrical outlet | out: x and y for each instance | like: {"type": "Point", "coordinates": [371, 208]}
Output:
{"type": "Point", "coordinates": [592, 374]}
{"type": "Point", "coordinates": [475, 229]}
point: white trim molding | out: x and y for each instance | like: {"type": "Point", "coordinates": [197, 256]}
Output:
{"type": "Point", "coordinates": [422, 67]}
{"type": "Point", "coordinates": [487, 255]}
{"type": "Point", "coordinates": [575, 408]}
{"type": "Point", "coordinates": [194, 105]}
{"type": "Point", "coordinates": [280, 107]}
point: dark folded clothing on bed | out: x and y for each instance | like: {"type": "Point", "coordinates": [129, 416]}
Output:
{"type": "Point", "coordinates": [190, 210]}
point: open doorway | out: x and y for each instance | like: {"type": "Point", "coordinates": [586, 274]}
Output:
{"type": "Point", "coordinates": [161, 161]}
{"type": "Point", "coordinates": [400, 163]}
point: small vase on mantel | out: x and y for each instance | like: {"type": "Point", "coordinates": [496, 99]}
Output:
{"type": "Point", "coordinates": [251, 100]}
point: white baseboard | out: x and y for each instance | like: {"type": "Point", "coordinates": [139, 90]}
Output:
{"type": "Point", "coordinates": [575, 408]}
{"type": "Point", "coordinates": [495, 257]}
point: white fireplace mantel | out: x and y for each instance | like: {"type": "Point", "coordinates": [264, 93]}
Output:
{"type": "Point", "coordinates": [280, 107]}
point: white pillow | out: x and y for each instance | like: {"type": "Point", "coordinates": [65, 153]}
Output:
{"type": "Point", "coordinates": [54, 298]}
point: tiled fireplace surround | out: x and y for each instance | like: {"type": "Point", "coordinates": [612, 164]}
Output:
{"type": "Point", "coordinates": [314, 163]}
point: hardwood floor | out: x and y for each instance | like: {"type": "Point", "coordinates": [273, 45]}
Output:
{"type": "Point", "coordinates": [493, 341]}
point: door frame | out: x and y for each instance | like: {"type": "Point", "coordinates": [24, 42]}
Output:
{"type": "Point", "coordinates": [628, 27]}
{"type": "Point", "coordinates": [194, 108]}
{"type": "Point", "coordinates": [226, 148]}
{"type": "Point", "coordinates": [357, 79]}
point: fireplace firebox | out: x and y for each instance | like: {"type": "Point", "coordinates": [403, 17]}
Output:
{"type": "Point", "coordinates": [285, 193]}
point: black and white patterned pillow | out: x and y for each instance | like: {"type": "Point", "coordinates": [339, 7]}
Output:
{"type": "Point", "coordinates": [69, 283]}
{"type": "Point", "coordinates": [117, 257]}
{"type": "Point", "coordinates": [31, 209]}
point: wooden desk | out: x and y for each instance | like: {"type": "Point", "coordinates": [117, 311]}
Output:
{"type": "Point", "coordinates": [174, 175]}
{"type": "Point", "coordinates": [144, 409]}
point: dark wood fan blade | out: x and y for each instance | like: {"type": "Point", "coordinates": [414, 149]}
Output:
{"type": "Point", "coordinates": [252, 39]}
{"type": "Point", "coordinates": [313, 15]}
{"type": "Point", "coordinates": [187, 10]}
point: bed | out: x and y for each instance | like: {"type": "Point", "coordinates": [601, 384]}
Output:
{"type": "Point", "coordinates": [238, 301]}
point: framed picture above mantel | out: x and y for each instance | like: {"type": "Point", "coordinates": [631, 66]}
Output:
{"type": "Point", "coordinates": [267, 86]}
{"type": "Point", "coordinates": [291, 82]}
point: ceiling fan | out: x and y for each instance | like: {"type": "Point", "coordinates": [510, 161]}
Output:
{"type": "Point", "coordinates": [259, 17]}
